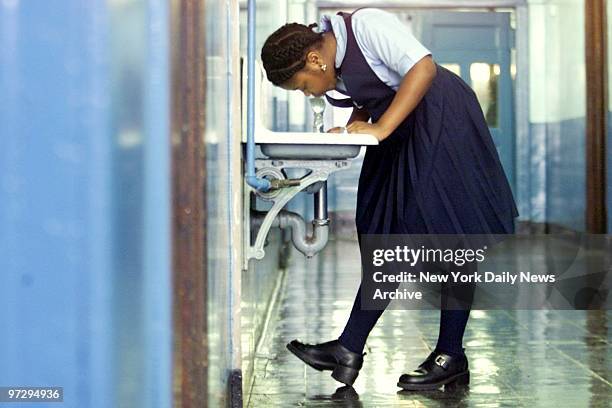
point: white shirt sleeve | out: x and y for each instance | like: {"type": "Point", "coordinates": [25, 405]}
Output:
{"type": "Point", "coordinates": [383, 37]}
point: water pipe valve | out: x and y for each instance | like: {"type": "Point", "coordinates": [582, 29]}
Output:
{"type": "Point", "coordinates": [282, 183]}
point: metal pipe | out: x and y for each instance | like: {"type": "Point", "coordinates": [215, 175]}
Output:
{"type": "Point", "coordinates": [308, 245]}
{"type": "Point", "coordinates": [320, 205]}
{"type": "Point", "coordinates": [260, 184]}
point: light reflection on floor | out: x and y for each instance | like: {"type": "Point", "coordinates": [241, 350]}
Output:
{"type": "Point", "coordinates": [517, 358]}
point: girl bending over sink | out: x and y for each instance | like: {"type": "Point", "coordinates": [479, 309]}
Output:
{"type": "Point", "coordinates": [435, 170]}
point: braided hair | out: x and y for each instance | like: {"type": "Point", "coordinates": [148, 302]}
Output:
{"type": "Point", "coordinates": [284, 52]}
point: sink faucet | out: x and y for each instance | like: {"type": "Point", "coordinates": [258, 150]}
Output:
{"type": "Point", "coordinates": [317, 103]}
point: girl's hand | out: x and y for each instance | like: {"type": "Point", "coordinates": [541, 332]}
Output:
{"type": "Point", "coordinates": [372, 128]}
{"type": "Point", "coordinates": [337, 129]}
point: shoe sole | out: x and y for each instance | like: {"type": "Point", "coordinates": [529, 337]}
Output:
{"type": "Point", "coordinates": [345, 375]}
{"type": "Point", "coordinates": [455, 380]}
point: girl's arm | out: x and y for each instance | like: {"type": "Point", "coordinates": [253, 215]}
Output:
{"type": "Point", "coordinates": [358, 114]}
{"type": "Point", "coordinates": [413, 87]}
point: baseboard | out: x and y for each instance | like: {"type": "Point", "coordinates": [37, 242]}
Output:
{"type": "Point", "coordinates": [235, 389]}
{"type": "Point", "coordinates": [271, 309]}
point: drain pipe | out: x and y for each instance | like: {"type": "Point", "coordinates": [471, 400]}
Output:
{"type": "Point", "coordinates": [320, 204]}
{"type": "Point", "coordinates": [259, 184]}
{"type": "Point", "coordinates": [308, 245]}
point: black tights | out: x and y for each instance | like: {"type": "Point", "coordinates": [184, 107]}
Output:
{"type": "Point", "coordinates": [452, 322]}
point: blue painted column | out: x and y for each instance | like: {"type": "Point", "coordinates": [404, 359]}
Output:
{"type": "Point", "coordinates": [85, 291]}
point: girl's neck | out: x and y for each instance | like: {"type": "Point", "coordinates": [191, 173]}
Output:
{"type": "Point", "coordinates": [329, 47]}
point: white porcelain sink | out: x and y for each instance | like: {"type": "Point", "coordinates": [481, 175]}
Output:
{"type": "Point", "coordinates": [298, 145]}
{"type": "Point", "coordinates": [302, 145]}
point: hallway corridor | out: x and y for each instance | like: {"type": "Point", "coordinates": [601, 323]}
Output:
{"type": "Point", "coordinates": [517, 358]}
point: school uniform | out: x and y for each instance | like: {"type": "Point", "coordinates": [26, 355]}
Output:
{"type": "Point", "coordinates": [437, 173]}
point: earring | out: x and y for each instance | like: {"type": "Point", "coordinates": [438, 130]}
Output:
{"type": "Point", "coordinates": [324, 67]}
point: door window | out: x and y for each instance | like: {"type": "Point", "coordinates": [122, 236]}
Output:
{"type": "Point", "coordinates": [485, 79]}
{"type": "Point", "coordinates": [454, 68]}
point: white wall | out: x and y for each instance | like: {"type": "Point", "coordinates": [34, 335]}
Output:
{"type": "Point", "coordinates": [556, 60]}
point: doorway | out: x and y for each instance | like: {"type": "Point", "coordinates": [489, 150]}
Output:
{"type": "Point", "coordinates": [478, 47]}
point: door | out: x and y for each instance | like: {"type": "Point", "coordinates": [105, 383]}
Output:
{"type": "Point", "coordinates": [477, 46]}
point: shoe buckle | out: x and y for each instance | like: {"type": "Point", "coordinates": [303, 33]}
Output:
{"type": "Point", "coordinates": [441, 361]}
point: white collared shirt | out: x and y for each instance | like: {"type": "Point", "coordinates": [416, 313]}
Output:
{"type": "Point", "coordinates": [386, 43]}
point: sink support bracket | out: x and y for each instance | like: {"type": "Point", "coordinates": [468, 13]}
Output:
{"type": "Point", "coordinates": [320, 170]}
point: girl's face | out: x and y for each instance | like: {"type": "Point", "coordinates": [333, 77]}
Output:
{"type": "Point", "coordinates": [311, 79]}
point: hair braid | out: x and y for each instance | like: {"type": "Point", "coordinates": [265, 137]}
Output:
{"type": "Point", "coordinates": [283, 54]}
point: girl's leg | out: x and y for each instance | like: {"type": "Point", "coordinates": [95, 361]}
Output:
{"type": "Point", "coordinates": [456, 301]}
{"type": "Point", "coordinates": [359, 325]}
{"type": "Point", "coordinates": [360, 322]}
{"type": "Point", "coordinates": [452, 327]}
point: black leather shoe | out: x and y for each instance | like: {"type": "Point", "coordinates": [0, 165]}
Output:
{"type": "Point", "coordinates": [438, 369]}
{"type": "Point", "coordinates": [345, 364]}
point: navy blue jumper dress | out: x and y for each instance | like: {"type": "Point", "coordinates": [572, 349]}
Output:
{"type": "Point", "coordinates": [437, 173]}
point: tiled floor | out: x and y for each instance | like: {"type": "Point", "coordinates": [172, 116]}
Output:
{"type": "Point", "coordinates": [517, 358]}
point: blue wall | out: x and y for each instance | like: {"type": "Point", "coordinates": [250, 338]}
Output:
{"type": "Point", "coordinates": [84, 164]}
{"type": "Point", "coordinates": [565, 174]}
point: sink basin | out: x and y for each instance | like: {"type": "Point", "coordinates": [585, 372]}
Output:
{"type": "Point", "coordinates": [310, 151]}
{"type": "Point", "coordinates": [303, 145]}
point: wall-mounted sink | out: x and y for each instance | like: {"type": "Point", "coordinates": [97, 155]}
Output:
{"type": "Point", "coordinates": [299, 145]}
